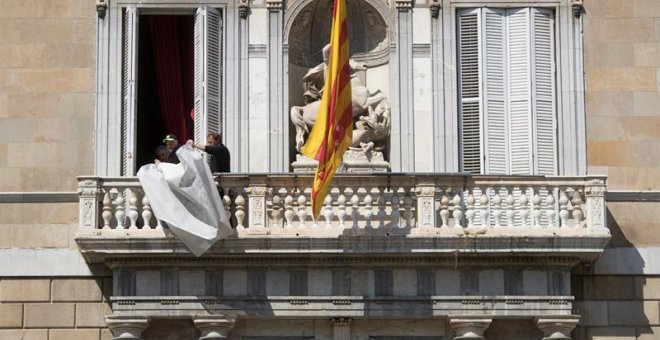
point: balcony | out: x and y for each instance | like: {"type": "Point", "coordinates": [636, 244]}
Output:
{"type": "Point", "coordinates": [393, 216]}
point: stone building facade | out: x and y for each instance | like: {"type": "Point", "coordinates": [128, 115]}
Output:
{"type": "Point", "coordinates": [427, 251]}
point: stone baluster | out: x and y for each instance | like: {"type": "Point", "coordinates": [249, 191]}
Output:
{"type": "Point", "coordinates": [426, 213]}
{"type": "Point", "coordinates": [563, 209]}
{"type": "Point", "coordinates": [146, 212]}
{"type": "Point", "coordinates": [557, 327]}
{"type": "Point", "coordinates": [119, 210]}
{"type": "Point", "coordinates": [510, 207]}
{"type": "Point", "coordinates": [497, 209]}
{"type": "Point", "coordinates": [444, 211]}
{"type": "Point", "coordinates": [483, 209]}
{"type": "Point", "coordinates": [302, 210]}
{"type": "Point", "coordinates": [469, 327]}
{"type": "Point", "coordinates": [536, 209]}
{"type": "Point", "coordinates": [341, 208]}
{"type": "Point", "coordinates": [595, 205]}
{"type": "Point", "coordinates": [126, 327]}
{"type": "Point", "coordinates": [106, 215]}
{"type": "Point", "coordinates": [276, 213]}
{"type": "Point", "coordinates": [240, 210]}
{"type": "Point", "coordinates": [355, 213]}
{"type": "Point", "coordinates": [396, 214]}
{"type": "Point", "coordinates": [457, 210]}
{"type": "Point", "coordinates": [226, 201]}
{"type": "Point", "coordinates": [407, 210]}
{"type": "Point", "coordinates": [524, 208]}
{"type": "Point", "coordinates": [550, 209]}
{"type": "Point", "coordinates": [214, 327]}
{"type": "Point", "coordinates": [368, 209]}
{"type": "Point", "coordinates": [288, 210]}
{"type": "Point", "coordinates": [88, 197]}
{"type": "Point", "coordinates": [327, 212]}
{"type": "Point", "coordinates": [257, 207]}
{"type": "Point", "coordinates": [132, 209]}
{"type": "Point", "coordinates": [578, 214]}
{"type": "Point", "coordinates": [470, 212]}
{"type": "Point", "coordinates": [341, 329]}
{"type": "Point", "coordinates": [382, 214]}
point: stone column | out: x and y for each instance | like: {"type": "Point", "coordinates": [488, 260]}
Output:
{"type": "Point", "coordinates": [341, 329]}
{"type": "Point", "coordinates": [126, 327]}
{"type": "Point", "coordinates": [469, 327]}
{"type": "Point", "coordinates": [557, 327]}
{"type": "Point", "coordinates": [213, 327]}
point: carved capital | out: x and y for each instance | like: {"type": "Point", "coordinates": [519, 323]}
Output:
{"type": "Point", "coordinates": [435, 8]}
{"type": "Point", "coordinates": [578, 8]}
{"type": "Point", "coordinates": [260, 191]}
{"type": "Point", "coordinates": [127, 327]}
{"type": "Point", "coordinates": [274, 5]}
{"type": "Point", "coordinates": [342, 328]}
{"type": "Point", "coordinates": [557, 327]}
{"type": "Point", "coordinates": [469, 327]}
{"type": "Point", "coordinates": [404, 5]}
{"type": "Point", "coordinates": [214, 327]}
{"type": "Point", "coordinates": [243, 8]}
{"type": "Point", "coordinates": [425, 191]}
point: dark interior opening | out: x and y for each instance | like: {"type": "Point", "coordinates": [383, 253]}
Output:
{"type": "Point", "coordinates": [165, 93]}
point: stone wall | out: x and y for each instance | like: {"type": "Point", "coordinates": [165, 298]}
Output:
{"type": "Point", "coordinates": [618, 296]}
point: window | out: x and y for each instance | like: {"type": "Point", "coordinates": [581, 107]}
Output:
{"type": "Point", "coordinates": [506, 76]}
{"type": "Point", "coordinates": [168, 87]}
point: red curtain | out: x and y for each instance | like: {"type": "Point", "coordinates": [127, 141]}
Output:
{"type": "Point", "coordinates": [172, 38]}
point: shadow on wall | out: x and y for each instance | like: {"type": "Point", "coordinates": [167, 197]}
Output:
{"type": "Point", "coordinates": [609, 293]}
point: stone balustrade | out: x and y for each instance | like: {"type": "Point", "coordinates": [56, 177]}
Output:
{"type": "Point", "coordinates": [378, 204]}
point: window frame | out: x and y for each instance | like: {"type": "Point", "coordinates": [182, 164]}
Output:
{"type": "Point", "coordinates": [109, 142]}
{"type": "Point", "coordinates": [569, 80]}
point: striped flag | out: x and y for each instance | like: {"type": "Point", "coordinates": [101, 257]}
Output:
{"type": "Point", "coordinates": [333, 130]}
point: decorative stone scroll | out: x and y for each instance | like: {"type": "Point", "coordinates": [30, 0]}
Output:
{"type": "Point", "coordinates": [557, 327]}
{"type": "Point", "coordinates": [214, 327]}
{"type": "Point", "coordinates": [469, 327]}
{"type": "Point", "coordinates": [127, 327]}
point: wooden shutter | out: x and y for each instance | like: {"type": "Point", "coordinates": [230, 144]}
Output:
{"type": "Point", "coordinates": [469, 87]}
{"type": "Point", "coordinates": [543, 64]}
{"type": "Point", "coordinates": [519, 91]}
{"type": "Point", "coordinates": [208, 47]}
{"type": "Point", "coordinates": [129, 89]}
{"type": "Point", "coordinates": [495, 96]}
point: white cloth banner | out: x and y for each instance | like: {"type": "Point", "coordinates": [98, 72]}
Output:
{"type": "Point", "coordinates": [185, 197]}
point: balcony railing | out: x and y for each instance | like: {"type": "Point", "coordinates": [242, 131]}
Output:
{"type": "Point", "coordinates": [379, 204]}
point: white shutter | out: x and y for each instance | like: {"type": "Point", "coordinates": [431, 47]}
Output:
{"type": "Point", "coordinates": [520, 137]}
{"type": "Point", "coordinates": [495, 110]}
{"type": "Point", "coordinates": [129, 89]}
{"type": "Point", "coordinates": [469, 86]}
{"type": "Point", "coordinates": [208, 46]}
{"type": "Point", "coordinates": [544, 91]}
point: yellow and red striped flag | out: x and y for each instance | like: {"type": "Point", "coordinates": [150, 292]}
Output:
{"type": "Point", "coordinates": [333, 130]}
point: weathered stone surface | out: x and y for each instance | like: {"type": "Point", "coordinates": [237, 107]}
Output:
{"type": "Point", "coordinates": [24, 334]}
{"type": "Point", "coordinates": [633, 313]}
{"type": "Point", "coordinates": [92, 314]}
{"type": "Point", "coordinates": [649, 333]}
{"type": "Point", "coordinates": [11, 315]}
{"type": "Point", "coordinates": [77, 290]}
{"type": "Point", "coordinates": [647, 288]}
{"type": "Point", "coordinates": [78, 334]}
{"type": "Point", "coordinates": [24, 290]}
{"type": "Point", "coordinates": [46, 315]}
{"type": "Point", "coordinates": [611, 333]}
{"type": "Point", "coordinates": [608, 287]}
{"type": "Point", "coordinates": [593, 313]}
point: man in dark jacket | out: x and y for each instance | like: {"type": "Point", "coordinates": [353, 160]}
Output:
{"type": "Point", "coordinates": [218, 153]}
{"type": "Point", "coordinates": [172, 143]}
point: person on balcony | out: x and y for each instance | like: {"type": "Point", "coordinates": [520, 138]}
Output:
{"type": "Point", "coordinates": [172, 143]}
{"type": "Point", "coordinates": [217, 151]}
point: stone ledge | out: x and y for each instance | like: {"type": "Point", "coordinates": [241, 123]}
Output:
{"type": "Point", "coordinates": [344, 306]}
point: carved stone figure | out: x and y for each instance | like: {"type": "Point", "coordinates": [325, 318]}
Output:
{"type": "Point", "coordinates": [371, 111]}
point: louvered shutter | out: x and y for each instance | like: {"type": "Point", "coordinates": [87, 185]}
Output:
{"type": "Point", "coordinates": [129, 89]}
{"type": "Point", "coordinates": [544, 91]}
{"type": "Point", "coordinates": [469, 87]}
{"type": "Point", "coordinates": [518, 51]}
{"type": "Point", "coordinates": [208, 46]}
{"type": "Point", "coordinates": [495, 96]}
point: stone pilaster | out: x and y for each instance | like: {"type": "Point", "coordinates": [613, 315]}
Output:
{"type": "Point", "coordinates": [341, 328]}
{"type": "Point", "coordinates": [426, 214]}
{"type": "Point", "coordinates": [214, 327]}
{"type": "Point", "coordinates": [126, 327]}
{"type": "Point", "coordinates": [257, 208]}
{"type": "Point", "coordinates": [279, 124]}
{"type": "Point", "coordinates": [402, 151]}
{"type": "Point", "coordinates": [469, 327]}
{"type": "Point", "coordinates": [557, 327]}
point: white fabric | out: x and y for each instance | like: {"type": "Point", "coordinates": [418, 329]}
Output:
{"type": "Point", "coordinates": [185, 197]}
